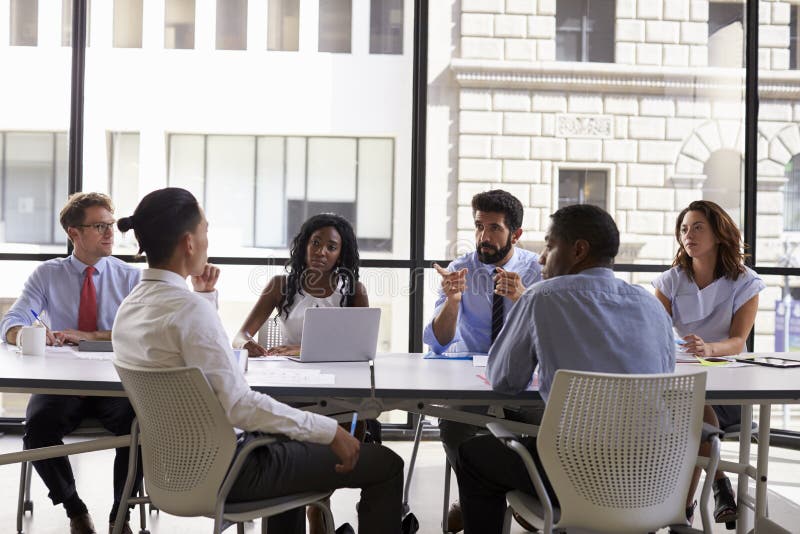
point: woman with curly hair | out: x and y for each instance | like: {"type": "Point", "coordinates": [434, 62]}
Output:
{"type": "Point", "coordinates": [322, 272]}
{"type": "Point", "coordinates": [712, 298]}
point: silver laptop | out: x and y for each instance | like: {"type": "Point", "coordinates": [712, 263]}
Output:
{"type": "Point", "coordinates": [339, 334]}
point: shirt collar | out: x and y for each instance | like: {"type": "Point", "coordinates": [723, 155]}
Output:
{"type": "Point", "coordinates": [162, 275]}
{"type": "Point", "coordinates": [79, 266]}
{"type": "Point", "coordinates": [600, 272]}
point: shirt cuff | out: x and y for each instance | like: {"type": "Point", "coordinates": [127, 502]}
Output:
{"type": "Point", "coordinates": [324, 429]}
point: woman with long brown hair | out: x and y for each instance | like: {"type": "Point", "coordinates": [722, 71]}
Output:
{"type": "Point", "coordinates": [712, 298]}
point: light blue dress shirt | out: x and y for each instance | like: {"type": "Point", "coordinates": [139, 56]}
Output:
{"type": "Point", "coordinates": [474, 326]}
{"type": "Point", "coordinates": [55, 289]}
{"type": "Point", "coordinates": [590, 321]}
{"type": "Point", "coordinates": [707, 312]}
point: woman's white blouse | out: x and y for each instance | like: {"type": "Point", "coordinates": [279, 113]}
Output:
{"type": "Point", "coordinates": [292, 326]}
{"type": "Point", "coordinates": [706, 312]}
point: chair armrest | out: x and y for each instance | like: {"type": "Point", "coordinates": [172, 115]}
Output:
{"type": "Point", "coordinates": [709, 431]}
{"type": "Point", "coordinates": [501, 432]}
{"type": "Point", "coordinates": [237, 464]}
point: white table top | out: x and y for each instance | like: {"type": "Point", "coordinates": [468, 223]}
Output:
{"type": "Point", "coordinates": [409, 375]}
{"type": "Point", "coordinates": [92, 373]}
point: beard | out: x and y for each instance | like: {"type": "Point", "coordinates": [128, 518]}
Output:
{"type": "Point", "coordinates": [497, 255]}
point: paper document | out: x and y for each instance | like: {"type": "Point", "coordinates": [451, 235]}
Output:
{"type": "Point", "coordinates": [103, 356]}
{"type": "Point", "coordinates": [269, 375]}
{"type": "Point", "coordinates": [480, 361]}
{"type": "Point", "coordinates": [68, 349]}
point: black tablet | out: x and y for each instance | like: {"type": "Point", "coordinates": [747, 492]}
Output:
{"type": "Point", "coordinates": [771, 361]}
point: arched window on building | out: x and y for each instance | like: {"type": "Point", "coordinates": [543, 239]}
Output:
{"type": "Point", "coordinates": [791, 205]}
{"type": "Point", "coordinates": [723, 184]}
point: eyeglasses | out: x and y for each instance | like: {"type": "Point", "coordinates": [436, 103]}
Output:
{"type": "Point", "coordinates": [100, 228]}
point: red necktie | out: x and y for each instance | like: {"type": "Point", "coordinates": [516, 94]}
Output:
{"type": "Point", "coordinates": [87, 312]}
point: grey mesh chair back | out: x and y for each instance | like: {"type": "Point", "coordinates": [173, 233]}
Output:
{"type": "Point", "coordinates": [187, 442]}
{"type": "Point", "coordinates": [269, 335]}
{"type": "Point", "coordinates": [619, 450]}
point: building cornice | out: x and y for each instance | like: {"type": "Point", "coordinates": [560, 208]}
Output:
{"type": "Point", "coordinates": [617, 78]}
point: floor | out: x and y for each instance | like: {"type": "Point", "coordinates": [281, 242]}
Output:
{"type": "Point", "coordinates": [94, 484]}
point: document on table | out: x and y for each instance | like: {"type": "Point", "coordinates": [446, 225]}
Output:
{"type": "Point", "coordinates": [282, 376]}
{"type": "Point", "coordinates": [71, 352]}
{"type": "Point", "coordinates": [480, 361]}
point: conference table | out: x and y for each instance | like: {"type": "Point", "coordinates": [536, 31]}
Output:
{"type": "Point", "coordinates": [411, 383]}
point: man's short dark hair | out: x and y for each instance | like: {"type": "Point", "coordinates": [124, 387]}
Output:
{"type": "Point", "coordinates": [74, 211]}
{"type": "Point", "coordinates": [590, 223]}
{"type": "Point", "coordinates": [499, 201]}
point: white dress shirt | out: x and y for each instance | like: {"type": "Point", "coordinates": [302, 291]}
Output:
{"type": "Point", "coordinates": [164, 324]}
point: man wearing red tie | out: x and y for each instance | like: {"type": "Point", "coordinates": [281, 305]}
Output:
{"type": "Point", "coordinates": [79, 296]}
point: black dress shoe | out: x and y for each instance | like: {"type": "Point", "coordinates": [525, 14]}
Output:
{"type": "Point", "coordinates": [81, 524]}
{"type": "Point", "coordinates": [725, 510]}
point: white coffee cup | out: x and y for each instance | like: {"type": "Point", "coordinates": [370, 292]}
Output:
{"type": "Point", "coordinates": [32, 340]}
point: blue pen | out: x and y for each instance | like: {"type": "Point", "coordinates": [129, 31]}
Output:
{"type": "Point", "coordinates": [36, 316]}
{"type": "Point", "coordinates": [679, 341]}
{"type": "Point", "coordinates": [353, 424]}
{"type": "Point", "coordinates": [58, 342]}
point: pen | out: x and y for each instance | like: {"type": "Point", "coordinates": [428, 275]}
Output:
{"type": "Point", "coordinates": [353, 424]}
{"type": "Point", "coordinates": [58, 342]}
{"type": "Point", "coordinates": [36, 316]}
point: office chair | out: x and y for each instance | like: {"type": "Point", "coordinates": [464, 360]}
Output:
{"type": "Point", "coordinates": [619, 451]}
{"type": "Point", "coordinates": [188, 448]}
{"type": "Point", "coordinates": [269, 335]}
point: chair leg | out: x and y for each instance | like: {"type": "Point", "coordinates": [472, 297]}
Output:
{"type": "Point", "coordinates": [28, 504]}
{"type": "Point", "coordinates": [264, 521]}
{"type": "Point", "coordinates": [240, 528]}
{"type": "Point", "coordinates": [21, 497]}
{"type": "Point", "coordinates": [446, 501]}
{"type": "Point", "coordinates": [143, 513]}
{"type": "Point", "coordinates": [507, 520]}
{"type": "Point", "coordinates": [411, 463]}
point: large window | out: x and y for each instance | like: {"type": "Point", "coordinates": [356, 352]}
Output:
{"type": "Point", "coordinates": [585, 30]}
{"type": "Point", "coordinates": [582, 187]}
{"type": "Point", "coordinates": [24, 22]}
{"type": "Point", "coordinates": [33, 171]}
{"type": "Point", "coordinates": [259, 190]}
{"type": "Point", "coordinates": [231, 24]}
{"type": "Point", "coordinates": [128, 23]}
{"type": "Point", "coordinates": [725, 34]}
{"type": "Point", "coordinates": [283, 32]}
{"type": "Point", "coordinates": [335, 25]}
{"type": "Point", "coordinates": [179, 19]}
{"type": "Point", "coordinates": [386, 27]}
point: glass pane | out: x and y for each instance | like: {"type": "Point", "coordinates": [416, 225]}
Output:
{"type": "Point", "coordinates": [24, 22]}
{"type": "Point", "coordinates": [512, 116]}
{"type": "Point", "coordinates": [594, 190]}
{"type": "Point", "coordinates": [179, 18]}
{"type": "Point", "coordinates": [386, 27]}
{"type": "Point", "coordinates": [124, 188]}
{"type": "Point", "coordinates": [375, 185]}
{"type": "Point", "coordinates": [270, 192]}
{"type": "Point", "coordinates": [569, 187]}
{"type": "Point", "coordinates": [388, 290]}
{"type": "Point", "coordinates": [262, 139]}
{"type": "Point", "coordinates": [726, 34]}
{"type": "Point", "coordinates": [29, 183]}
{"type": "Point", "coordinates": [793, 38]}
{"type": "Point", "coordinates": [335, 25]}
{"type": "Point", "coordinates": [600, 21]}
{"type": "Point", "coordinates": [569, 25]}
{"type": "Point", "coordinates": [187, 164]}
{"type": "Point", "coordinates": [230, 185]}
{"type": "Point", "coordinates": [283, 32]}
{"type": "Point", "coordinates": [231, 24]}
{"type": "Point", "coordinates": [127, 23]}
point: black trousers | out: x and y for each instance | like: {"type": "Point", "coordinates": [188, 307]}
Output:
{"type": "Point", "coordinates": [286, 467]}
{"type": "Point", "coordinates": [50, 417]}
{"type": "Point", "coordinates": [487, 469]}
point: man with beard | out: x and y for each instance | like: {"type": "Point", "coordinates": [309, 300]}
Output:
{"type": "Point", "coordinates": [477, 293]}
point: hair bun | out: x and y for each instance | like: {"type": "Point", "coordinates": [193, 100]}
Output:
{"type": "Point", "coordinates": [125, 224]}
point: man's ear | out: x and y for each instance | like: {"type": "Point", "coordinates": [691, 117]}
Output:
{"type": "Point", "coordinates": [516, 235]}
{"type": "Point", "coordinates": [188, 243]}
{"type": "Point", "coordinates": [581, 250]}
